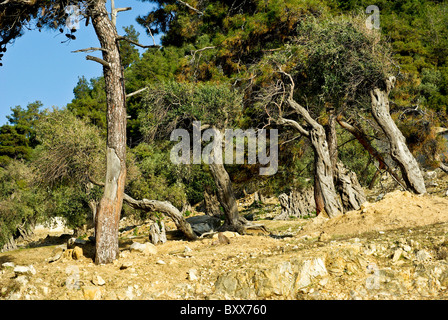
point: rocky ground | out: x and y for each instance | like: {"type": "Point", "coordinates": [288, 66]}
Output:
{"type": "Point", "coordinates": [395, 248]}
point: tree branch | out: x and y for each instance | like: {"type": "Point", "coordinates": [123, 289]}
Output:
{"type": "Point", "coordinates": [136, 92]}
{"type": "Point", "coordinates": [91, 49]}
{"type": "Point", "coordinates": [98, 183]}
{"type": "Point", "coordinates": [362, 138]}
{"type": "Point", "coordinates": [27, 2]}
{"type": "Point", "coordinates": [294, 124]}
{"type": "Point", "coordinates": [101, 61]}
{"type": "Point", "coordinates": [164, 207]}
{"type": "Point", "coordinates": [190, 7]}
{"type": "Point", "coordinates": [123, 9]}
{"type": "Point", "coordinates": [150, 32]}
{"type": "Point", "coordinates": [136, 43]}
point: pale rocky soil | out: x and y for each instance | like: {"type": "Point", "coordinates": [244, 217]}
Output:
{"type": "Point", "coordinates": [396, 248]}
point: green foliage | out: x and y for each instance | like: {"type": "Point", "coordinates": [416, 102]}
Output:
{"type": "Point", "coordinates": [89, 103]}
{"type": "Point", "coordinates": [157, 177]}
{"type": "Point", "coordinates": [18, 138]}
{"type": "Point", "coordinates": [418, 33]}
{"type": "Point", "coordinates": [334, 62]}
{"type": "Point", "coordinates": [21, 201]}
{"type": "Point", "coordinates": [344, 60]}
{"type": "Point", "coordinates": [69, 202]}
{"type": "Point", "coordinates": [70, 153]}
{"type": "Point", "coordinates": [171, 105]}
{"type": "Point", "coordinates": [128, 53]}
{"type": "Point", "coordinates": [239, 32]}
{"type": "Point", "coordinates": [70, 150]}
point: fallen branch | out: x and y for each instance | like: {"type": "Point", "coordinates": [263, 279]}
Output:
{"type": "Point", "coordinates": [164, 207]}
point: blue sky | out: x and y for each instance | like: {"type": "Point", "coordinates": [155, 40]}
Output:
{"type": "Point", "coordinates": [37, 66]}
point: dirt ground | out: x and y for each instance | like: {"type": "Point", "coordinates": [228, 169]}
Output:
{"type": "Point", "coordinates": [189, 270]}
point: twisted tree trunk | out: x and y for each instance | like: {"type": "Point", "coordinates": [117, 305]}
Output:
{"type": "Point", "coordinates": [9, 245]}
{"type": "Point", "coordinates": [166, 208]}
{"type": "Point", "coordinates": [325, 191]}
{"type": "Point", "coordinates": [346, 182]}
{"type": "Point", "coordinates": [398, 149]}
{"type": "Point", "coordinates": [226, 195]}
{"type": "Point", "coordinates": [351, 192]}
{"type": "Point", "coordinates": [296, 204]}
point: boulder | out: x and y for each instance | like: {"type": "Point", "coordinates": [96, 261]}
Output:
{"type": "Point", "coordinates": [72, 242]}
{"type": "Point", "coordinates": [77, 253]}
{"type": "Point", "coordinates": [422, 255]}
{"type": "Point", "coordinates": [57, 253]}
{"type": "Point", "coordinates": [203, 224]}
{"type": "Point", "coordinates": [192, 275]}
{"type": "Point", "coordinates": [98, 281]}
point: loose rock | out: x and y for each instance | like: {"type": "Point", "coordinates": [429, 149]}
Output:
{"type": "Point", "coordinates": [422, 255]}
{"type": "Point", "coordinates": [192, 275]}
{"type": "Point", "coordinates": [24, 270]}
{"type": "Point", "coordinates": [145, 248]}
{"type": "Point", "coordinates": [91, 293]}
{"type": "Point", "coordinates": [77, 253]}
{"type": "Point", "coordinates": [98, 281]}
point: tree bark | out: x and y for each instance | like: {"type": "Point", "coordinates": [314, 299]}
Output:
{"type": "Point", "coordinates": [226, 195]}
{"type": "Point", "coordinates": [296, 204]}
{"type": "Point", "coordinates": [211, 204]}
{"type": "Point", "coordinates": [399, 151]}
{"type": "Point", "coordinates": [332, 139]}
{"type": "Point", "coordinates": [110, 206]}
{"type": "Point", "coordinates": [351, 192]}
{"type": "Point", "coordinates": [347, 185]}
{"type": "Point", "coordinates": [324, 184]}
{"type": "Point", "coordinates": [9, 245]}
{"type": "Point", "coordinates": [364, 141]}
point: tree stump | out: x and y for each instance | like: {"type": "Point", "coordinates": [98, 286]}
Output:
{"type": "Point", "coordinates": [351, 192]}
{"type": "Point", "coordinates": [157, 234]}
{"type": "Point", "coordinates": [296, 204]}
{"type": "Point", "coordinates": [9, 245]}
{"type": "Point", "coordinates": [211, 204]}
